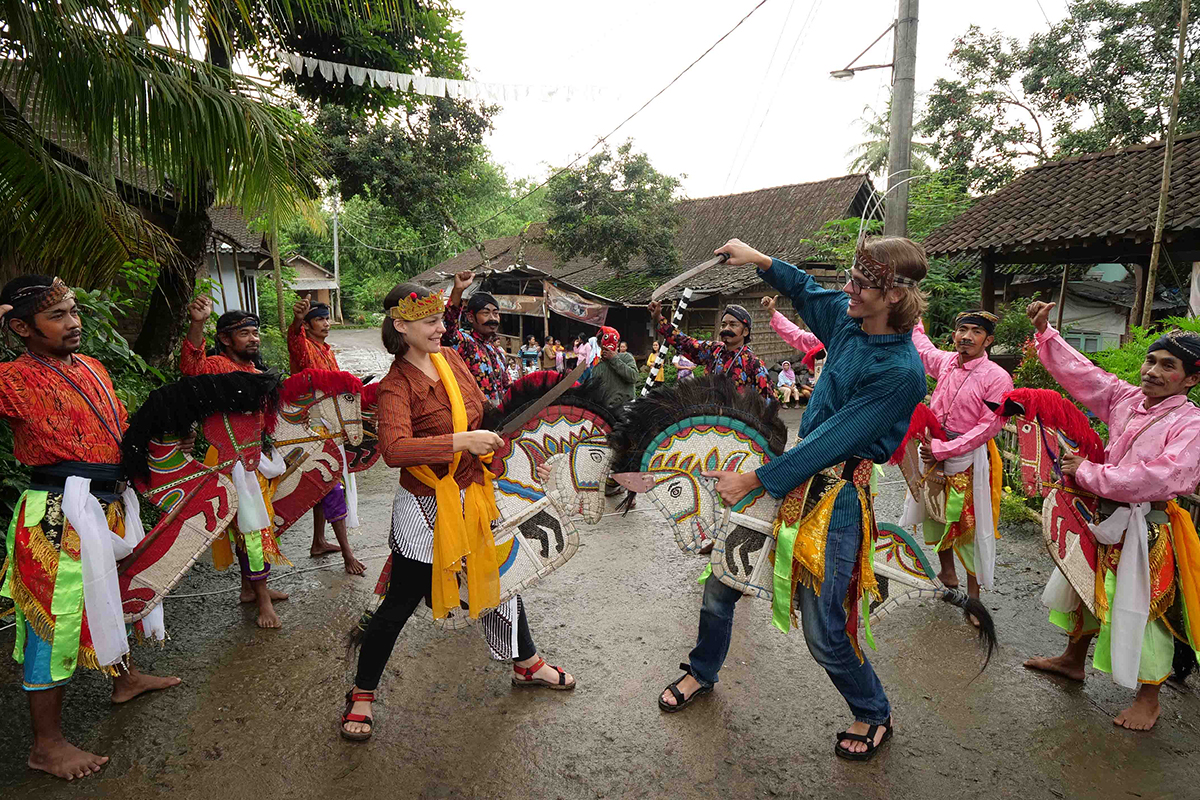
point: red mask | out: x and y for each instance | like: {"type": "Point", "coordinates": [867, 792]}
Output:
{"type": "Point", "coordinates": [608, 338]}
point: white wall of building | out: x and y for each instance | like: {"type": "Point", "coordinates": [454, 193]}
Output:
{"type": "Point", "coordinates": [1090, 326]}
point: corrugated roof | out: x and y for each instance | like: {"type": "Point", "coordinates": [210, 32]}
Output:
{"type": "Point", "coordinates": [774, 220]}
{"type": "Point", "coordinates": [1121, 293]}
{"type": "Point", "coordinates": [1081, 201]}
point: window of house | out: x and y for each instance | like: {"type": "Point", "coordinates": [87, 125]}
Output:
{"type": "Point", "coordinates": [1085, 342]}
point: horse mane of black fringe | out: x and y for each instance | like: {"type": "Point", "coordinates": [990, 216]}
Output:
{"type": "Point", "coordinates": [532, 388]}
{"type": "Point", "coordinates": [715, 395]}
{"type": "Point", "coordinates": [176, 407]}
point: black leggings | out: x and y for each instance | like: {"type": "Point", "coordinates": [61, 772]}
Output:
{"type": "Point", "coordinates": [409, 584]}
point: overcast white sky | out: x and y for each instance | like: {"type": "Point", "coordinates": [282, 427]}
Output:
{"type": "Point", "coordinates": [703, 126]}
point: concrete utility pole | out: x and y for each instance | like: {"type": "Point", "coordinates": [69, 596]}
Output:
{"type": "Point", "coordinates": [895, 219]}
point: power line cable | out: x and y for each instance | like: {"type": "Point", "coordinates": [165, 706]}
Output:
{"type": "Point", "coordinates": [758, 96]}
{"type": "Point", "coordinates": [623, 122]}
{"type": "Point", "coordinates": [812, 9]}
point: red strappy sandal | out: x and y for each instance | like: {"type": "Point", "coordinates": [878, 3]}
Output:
{"type": "Point", "coordinates": [353, 697]}
{"type": "Point", "coordinates": [527, 678]}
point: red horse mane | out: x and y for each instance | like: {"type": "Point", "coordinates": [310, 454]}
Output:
{"type": "Point", "coordinates": [923, 421]}
{"type": "Point", "coordinates": [1056, 411]}
{"type": "Point", "coordinates": [370, 394]}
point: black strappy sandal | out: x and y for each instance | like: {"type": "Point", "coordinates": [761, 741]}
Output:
{"type": "Point", "coordinates": [680, 701]}
{"type": "Point", "coordinates": [868, 740]}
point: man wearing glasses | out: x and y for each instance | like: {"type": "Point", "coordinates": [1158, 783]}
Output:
{"type": "Point", "coordinates": [858, 413]}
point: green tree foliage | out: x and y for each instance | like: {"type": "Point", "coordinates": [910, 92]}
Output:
{"type": "Point", "coordinates": [1126, 361]}
{"type": "Point", "coordinates": [871, 155]}
{"type": "Point", "coordinates": [424, 41]}
{"type": "Point", "coordinates": [1100, 78]}
{"type": "Point", "coordinates": [615, 207]}
{"type": "Point", "coordinates": [935, 199]}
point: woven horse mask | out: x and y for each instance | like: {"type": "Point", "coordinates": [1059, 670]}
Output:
{"type": "Point", "coordinates": [321, 414]}
{"type": "Point", "coordinates": [198, 502]}
{"type": "Point", "coordinates": [665, 439]}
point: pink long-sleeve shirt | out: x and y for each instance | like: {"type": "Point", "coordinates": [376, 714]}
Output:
{"type": "Point", "coordinates": [1152, 454]}
{"type": "Point", "coordinates": [957, 400]}
{"type": "Point", "coordinates": [793, 334]}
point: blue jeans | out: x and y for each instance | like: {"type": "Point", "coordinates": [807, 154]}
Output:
{"type": "Point", "coordinates": [823, 618]}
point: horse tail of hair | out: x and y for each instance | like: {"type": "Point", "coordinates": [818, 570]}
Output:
{"type": "Point", "coordinates": [972, 607]}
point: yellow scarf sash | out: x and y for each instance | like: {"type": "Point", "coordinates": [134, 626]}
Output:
{"type": "Point", "coordinates": [463, 529]}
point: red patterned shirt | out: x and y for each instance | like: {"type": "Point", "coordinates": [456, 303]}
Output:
{"type": "Point", "coordinates": [195, 361]}
{"type": "Point", "coordinates": [305, 352]}
{"type": "Point", "coordinates": [741, 365]}
{"type": "Point", "coordinates": [485, 357]}
{"type": "Point", "coordinates": [51, 421]}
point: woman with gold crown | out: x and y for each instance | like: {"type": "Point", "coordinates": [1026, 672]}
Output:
{"type": "Point", "coordinates": [428, 419]}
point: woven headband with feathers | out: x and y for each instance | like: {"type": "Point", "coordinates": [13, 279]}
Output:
{"type": "Point", "coordinates": [175, 408]}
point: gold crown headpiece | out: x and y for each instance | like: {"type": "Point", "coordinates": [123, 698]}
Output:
{"type": "Point", "coordinates": [413, 307]}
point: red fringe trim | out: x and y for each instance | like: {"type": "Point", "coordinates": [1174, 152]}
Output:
{"type": "Point", "coordinates": [923, 423]}
{"type": "Point", "coordinates": [370, 395]}
{"type": "Point", "coordinates": [325, 381]}
{"type": "Point", "coordinates": [1056, 411]}
{"type": "Point", "coordinates": [810, 358]}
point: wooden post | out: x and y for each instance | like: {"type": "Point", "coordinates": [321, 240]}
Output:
{"type": "Point", "coordinates": [1139, 295]}
{"type": "Point", "coordinates": [987, 288]}
{"type": "Point", "coordinates": [1168, 153]}
{"type": "Point", "coordinates": [1062, 296]}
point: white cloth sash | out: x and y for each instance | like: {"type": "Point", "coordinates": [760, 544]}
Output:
{"type": "Point", "coordinates": [1131, 603]}
{"type": "Point", "coordinates": [252, 508]}
{"type": "Point", "coordinates": [98, 562]}
{"type": "Point", "coordinates": [350, 487]}
{"type": "Point", "coordinates": [153, 625]}
{"type": "Point", "coordinates": [981, 486]}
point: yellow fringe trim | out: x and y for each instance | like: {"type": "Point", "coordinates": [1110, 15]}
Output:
{"type": "Point", "coordinates": [43, 552]}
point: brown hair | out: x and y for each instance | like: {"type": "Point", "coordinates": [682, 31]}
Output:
{"type": "Point", "coordinates": [908, 260]}
{"type": "Point", "coordinates": [393, 340]}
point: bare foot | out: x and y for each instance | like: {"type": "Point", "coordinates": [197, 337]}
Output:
{"type": "Point", "coordinates": [1140, 716]}
{"type": "Point", "coordinates": [1058, 666]}
{"type": "Point", "coordinates": [248, 596]}
{"type": "Point", "coordinates": [322, 548]}
{"type": "Point", "coordinates": [354, 566]}
{"type": "Point", "coordinates": [267, 618]}
{"type": "Point", "coordinates": [687, 687]}
{"type": "Point", "coordinates": [974, 622]}
{"type": "Point", "coordinates": [130, 685]}
{"type": "Point", "coordinates": [64, 760]}
{"type": "Point", "coordinates": [949, 579]}
{"type": "Point", "coordinates": [861, 729]}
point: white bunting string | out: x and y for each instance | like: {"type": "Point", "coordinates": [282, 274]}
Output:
{"type": "Point", "coordinates": [439, 87]}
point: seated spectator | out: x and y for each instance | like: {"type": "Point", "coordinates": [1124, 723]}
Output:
{"type": "Point", "coordinates": [787, 389]}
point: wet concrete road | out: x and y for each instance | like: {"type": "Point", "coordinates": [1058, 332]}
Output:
{"type": "Point", "coordinates": [256, 716]}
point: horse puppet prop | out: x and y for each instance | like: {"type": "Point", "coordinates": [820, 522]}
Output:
{"type": "Point", "coordinates": [1049, 425]}
{"type": "Point", "coordinates": [198, 502]}
{"type": "Point", "coordinates": [535, 534]}
{"type": "Point", "coordinates": [320, 417]}
{"type": "Point", "coordinates": [666, 439]}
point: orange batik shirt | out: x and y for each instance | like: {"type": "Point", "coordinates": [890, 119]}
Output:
{"type": "Point", "coordinates": [195, 361]}
{"type": "Point", "coordinates": [304, 352]}
{"type": "Point", "coordinates": [52, 422]}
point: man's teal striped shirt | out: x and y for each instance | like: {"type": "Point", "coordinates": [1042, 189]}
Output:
{"type": "Point", "coordinates": [863, 402]}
